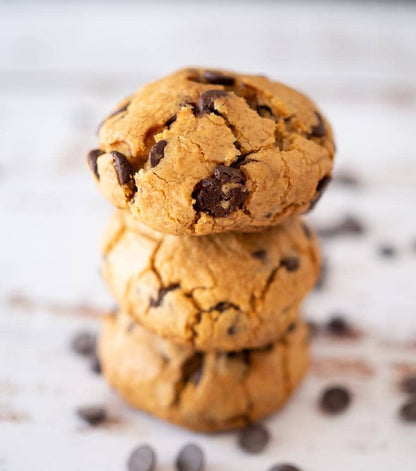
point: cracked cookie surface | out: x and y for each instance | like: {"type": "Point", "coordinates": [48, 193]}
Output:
{"type": "Point", "coordinates": [219, 292]}
{"type": "Point", "coordinates": [192, 389]}
{"type": "Point", "coordinates": [202, 152]}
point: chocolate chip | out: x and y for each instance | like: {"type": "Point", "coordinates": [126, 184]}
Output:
{"type": "Point", "coordinates": [290, 263]}
{"type": "Point", "coordinates": [338, 325]}
{"type": "Point", "coordinates": [349, 225]}
{"type": "Point", "coordinates": [95, 364]}
{"type": "Point", "coordinates": [170, 121]}
{"type": "Point", "coordinates": [223, 306]}
{"type": "Point", "coordinates": [265, 111]}
{"type": "Point", "coordinates": [162, 293]}
{"type": "Point", "coordinates": [192, 369]}
{"type": "Point", "coordinates": [210, 197]}
{"type": "Point", "coordinates": [190, 458]}
{"type": "Point", "coordinates": [319, 129]}
{"type": "Point", "coordinates": [321, 187]}
{"type": "Point", "coordinates": [335, 400]}
{"type": "Point", "coordinates": [207, 99]}
{"type": "Point", "coordinates": [254, 438]}
{"type": "Point", "coordinates": [142, 458]}
{"type": "Point", "coordinates": [323, 275]}
{"type": "Point", "coordinates": [408, 410]}
{"type": "Point", "coordinates": [409, 384]}
{"type": "Point", "coordinates": [157, 152]}
{"type": "Point", "coordinates": [123, 167]}
{"type": "Point", "coordinates": [232, 330]}
{"type": "Point", "coordinates": [93, 415]}
{"type": "Point", "coordinates": [284, 467]}
{"type": "Point", "coordinates": [259, 254]}
{"type": "Point", "coordinates": [92, 157]}
{"type": "Point", "coordinates": [242, 355]}
{"type": "Point", "coordinates": [217, 78]}
{"type": "Point", "coordinates": [387, 251]}
{"type": "Point", "coordinates": [84, 343]}
{"type": "Point", "coordinates": [347, 179]}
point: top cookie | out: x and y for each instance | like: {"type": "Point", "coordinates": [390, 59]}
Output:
{"type": "Point", "coordinates": [204, 151]}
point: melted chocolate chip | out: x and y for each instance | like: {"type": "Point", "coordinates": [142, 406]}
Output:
{"type": "Point", "coordinates": [217, 78]}
{"type": "Point", "coordinates": [408, 410]}
{"type": "Point", "coordinates": [290, 263]}
{"type": "Point", "coordinates": [170, 121]}
{"type": "Point", "coordinates": [123, 167]}
{"type": "Point", "coordinates": [321, 187]}
{"type": "Point", "coordinates": [335, 400]}
{"type": "Point", "coordinates": [409, 384]}
{"type": "Point", "coordinates": [157, 152]}
{"type": "Point", "coordinates": [162, 293]}
{"type": "Point", "coordinates": [192, 369]}
{"type": "Point", "coordinates": [254, 438]}
{"type": "Point", "coordinates": [93, 415]}
{"type": "Point", "coordinates": [319, 129]}
{"type": "Point", "coordinates": [264, 111]}
{"type": "Point", "coordinates": [190, 458]}
{"type": "Point", "coordinates": [207, 99]}
{"type": "Point", "coordinates": [142, 458]}
{"type": "Point", "coordinates": [92, 157]}
{"type": "Point", "coordinates": [210, 197]}
{"type": "Point", "coordinates": [259, 254]}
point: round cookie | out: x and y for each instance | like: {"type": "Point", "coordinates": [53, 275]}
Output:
{"type": "Point", "coordinates": [201, 391]}
{"type": "Point", "coordinates": [219, 292]}
{"type": "Point", "coordinates": [203, 151]}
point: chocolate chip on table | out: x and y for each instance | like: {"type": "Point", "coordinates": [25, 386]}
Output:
{"type": "Point", "coordinates": [349, 225]}
{"type": "Point", "coordinates": [284, 467]}
{"type": "Point", "coordinates": [92, 157]}
{"type": "Point", "coordinates": [323, 275]}
{"type": "Point", "coordinates": [408, 384]}
{"type": "Point", "coordinates": [321, 187]}
{"type": "Point", "coordinates": [157, 152]}
{"type": "Point", "coordinates": [335, 400]}
{"type": "Point", "coordinates": [142, 458]}
{"type": "Point", "coordinates": [93, 415]}
{"type": "Point", "coordinates": [319, 129]}
{"type": "Point", "coordinates": [290, 263]}
{"type": "Point", "coordinates": [84, 343]}
{"type": "Point", "coordinates": [259, 254]}
{"type": "Point", "coordinates": [192, 368]}
{"type": "Point", "coordinates": [387, 251]}
{"type": "Point", "coordinates": [190, 458]}
{"type": "Point", "coordinates": [408, 410]}
{"type": "Point", "coordinates": [123, 167]}
{"type": "Point", "coordinates": [347, 179]}
{"type": "Point", "coordinates": [95, 364]}
{"type": "Point", "coordinates": [338, 325]}
{"type": "Point", "coordinates": [210, 197]}
{"type": "Point", "coordinates": [207, 99]}
{"type": "Point", "coordinates": [254, 438]}
{"type": "Point", "coordinates": [162, 293]}
{"type": "Point", "coordinates": [217, 78]}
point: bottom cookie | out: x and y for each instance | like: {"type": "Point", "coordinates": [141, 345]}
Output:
{"type": "Point", "coordinates": [202, 391]}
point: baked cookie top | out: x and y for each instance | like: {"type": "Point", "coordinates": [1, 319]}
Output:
{"type": "Point", "coordinates": [219, 292]}
{"type": "Point", "coordinates": [204, 151]}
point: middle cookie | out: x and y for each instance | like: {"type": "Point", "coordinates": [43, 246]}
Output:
{"type": "Point", "coordinates": [219, 292]}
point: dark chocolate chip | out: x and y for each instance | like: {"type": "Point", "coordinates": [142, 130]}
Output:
{"type": "Point", "coordinates": [387, 251]}
{"type": "Point", "coordinates": [409, 384]}
{"type": "Point", "coordinates": [254, 438]}
{"type": "Point", "coordinates": [192, 369]}
{"type": "Point", "coordinates": [210, 197]}
{"type": "Point", "coordinates": [84, 343]}
{"type": "Point", "coordinates": [321, 187]}
{"type": "Point", "coordinates": [319, 129]}
{"type": "Point", "coordinates": [284, 467]}
{"type": "Point", "coordinates": [349, 225]}
{"type": "Point", "coordinates": [337, 325]}
{"type": "Point", "coordinates": [232, 330]}
{"type": "Point", "coordinates": [259, 254]}
{"type": "Point", "coordinates": [117, 111]}
{"type": "Point", "coordinates": [347, 179]}
{"type": "Point", "coordinates": [162, 293]}
{"type": "Point", "coordinates": [242, 355]}
{"type": "Point", "coordinates": [323, 275]}
{"type": "Point", "coordinates": [92, 160]}
{"type": "Point", "coordinates": [190, 458]}
{"type": "Point", "coordinates": [95, 364]}
{"type": "Point", "coordinates": [290, 328]}
{"type": "Point", "coordinates": [217, 78]}
{"type": "Point", "coordinates": [335, 400]}
{"type": "Point", "coordinates": [207, 99]}
{"type": "Point", "coordinates": [265, 111]}
{"type": "Point", "coordinates": [142, 458]}
{"type": "Point", "coordinates": [408, 410]}
{"type": "Point", "coordinates": [123, 167]}
{"type": "Point", "coordinates": [170, 121]}
{"type": "Point", "coordinates": [93, 415]}
{"type": "Point", "coordinates": [290, 263]}
{"type": "Point", "coordinates": [157, 152]}
{"type": "Point", "coordinates": [223, 306]}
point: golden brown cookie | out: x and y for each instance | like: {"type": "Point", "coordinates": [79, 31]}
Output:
{"type": "Point", "coordinates": [202, 152]}
{"type": "Point", "coordinates": [219, 292]}
{"type": "Point", "coordinates": [201, 391]}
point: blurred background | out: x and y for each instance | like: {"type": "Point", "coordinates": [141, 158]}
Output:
{"type": "Point", "coordinates": [63, 67]}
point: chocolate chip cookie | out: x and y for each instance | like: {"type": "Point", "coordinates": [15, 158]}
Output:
{"type": "Point", "coordinates": [205, 151]}
{"type": "Point", "coordinates": [201, 391]}
{"type": "Point", "coordinates": [219, 292]}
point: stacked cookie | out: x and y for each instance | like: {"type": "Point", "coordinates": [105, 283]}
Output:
{"type": "Point", "coordinates": [207, 256]}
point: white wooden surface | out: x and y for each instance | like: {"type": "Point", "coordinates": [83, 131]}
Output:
{"type": "Point", "coordinates": [62, 67]}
